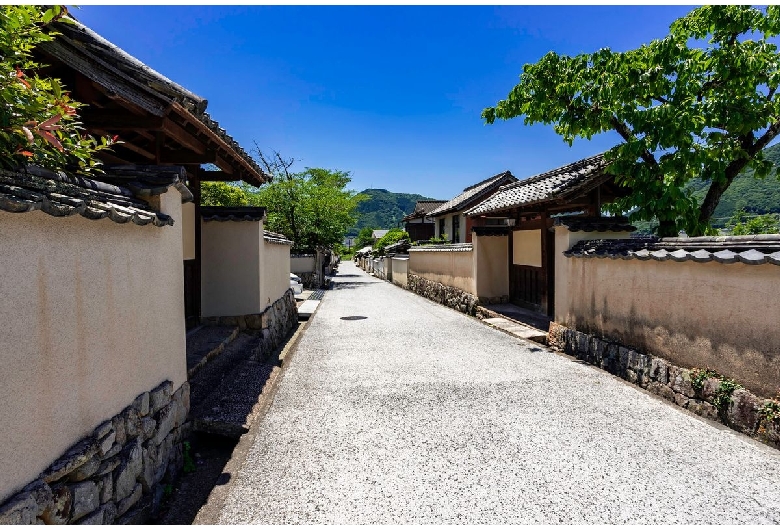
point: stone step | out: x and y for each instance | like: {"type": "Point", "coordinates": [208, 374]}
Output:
{"type": "Point", "coordinates": [307, 309]}
{"type": "Point", "coordinates": [517, 329]}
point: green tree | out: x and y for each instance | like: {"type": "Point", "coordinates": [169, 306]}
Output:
{"type": "Point", "coordinates": [38, 120]}
{"type": "Point", "coordinates": [365, 238]}
{"type": "Point", "coordinates": [394, 235]}
{"type": "Point", "coordinates": [223, 194]}
{"type": "Point", "coordinates": [313, 207]}
{"type": "Point", "coordinates": [742, 223]}
{"type": "Point", "coordinates": [700, 102]}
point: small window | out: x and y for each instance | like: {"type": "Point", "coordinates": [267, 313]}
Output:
{"type": "Point", "coordinates": [456, 228]}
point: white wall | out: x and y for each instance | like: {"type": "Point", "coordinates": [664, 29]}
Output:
{"type": "Point", "coordinates": [92, 315]}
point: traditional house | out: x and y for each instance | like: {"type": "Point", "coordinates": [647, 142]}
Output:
{"type": "Point", "coordinates": [98, 276]}
{"type": "Point", "coordinates": [530, 207]}
{"type": "Point", "coordinates": [451, 222]}
{"type": "Point", "coordinates": [419, 224]}
{"type": "Point", "coordinates": [157, 121]}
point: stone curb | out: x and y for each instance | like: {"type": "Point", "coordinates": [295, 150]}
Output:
{"type": "Point", "coordinates": [213, 353]}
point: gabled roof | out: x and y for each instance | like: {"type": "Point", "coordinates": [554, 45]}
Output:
{"type": "Point", "coordinates": [378, 234]}
{"type": "Point", "coordinates": [572, 179]}
{"type": "Point", "coordinates": [423, 209]}
{"type": "Point", "coordinates": [132, 94]}
{"type": "Point", "coordinates": [61, 195]}
{"type": "Point", "coordinates": [474, 193]}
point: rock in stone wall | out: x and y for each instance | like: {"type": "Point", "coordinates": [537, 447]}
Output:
{"type": "Point", "coordinates": [444, 294]}
{"type": "Point", "coordinates": [742, 411]}
{"type": "Point", "coordinates": [273, 324]}
{"type": "Point", "coordinates": [116, 474]}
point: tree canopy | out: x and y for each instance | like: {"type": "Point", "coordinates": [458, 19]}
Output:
{"type": "Point", "coordinates": [313, 207]}
{"type": "Point", "coordinates": [700, 102]}
{"type": "Point", "coordinates": [38, 120]}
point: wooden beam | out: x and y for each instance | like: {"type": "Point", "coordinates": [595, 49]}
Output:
{"type": "Point", "coordinates": [134, 148]}
{"type": "Point", "coordinates": [112, 121]}
{"type": "Point", "coordinates": [216, 176]}
{"type": "Point", "coordinates": [182, 157]}
{"type": "Point", "coordinates": [183, 137]}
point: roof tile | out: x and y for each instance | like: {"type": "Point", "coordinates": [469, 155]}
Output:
{"type": "Point", "coordinates": [544, 187]}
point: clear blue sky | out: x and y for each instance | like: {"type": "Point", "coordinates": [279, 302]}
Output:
{"type": "Point", "coordinates": [391, 94]}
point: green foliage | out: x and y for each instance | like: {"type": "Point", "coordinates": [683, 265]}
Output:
{"type": "Point", "coordinates": [768, 223]}
{"type": "Point", "coordinates": [189, 462]}
{"type": "Point", "coordinates": [313, 207]}
{"type": "Point", "coordinates": [365, 238]}
{"type": "Point", "coordinates": [38, 120]}
{"type": "Point", "coordinates": [698, 377]}
{"type": "Point", "coordinates": [394, 235]}
{"type": "Point", "coordinates": [683, 108]}
{"type": "Point", "coordinates": [383, 209]}
{"type": "Point", "coordinates": [723, 394]}
{"type": "Point", "coordinates": [770, 410]}
{"type": "Point", "coordinates": [223, 194]}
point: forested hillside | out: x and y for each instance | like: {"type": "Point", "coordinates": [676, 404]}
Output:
{"type": "Point", "coordinates": [384, 209]}
{"type": "Point", "coordinates": [755, 196]}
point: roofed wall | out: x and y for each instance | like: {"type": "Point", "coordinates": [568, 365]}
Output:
{"type": "Point", "coordinates": [93, 316]}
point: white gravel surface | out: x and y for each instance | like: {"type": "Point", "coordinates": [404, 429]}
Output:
{"type": "Point", "coordinates": [419, 414]}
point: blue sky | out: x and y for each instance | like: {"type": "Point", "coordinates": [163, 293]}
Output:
{"type": "Point", "coordinates": [392, 94]}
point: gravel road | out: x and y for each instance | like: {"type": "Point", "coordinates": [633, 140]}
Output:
{"type": "Point", "coordinates": [419, 414]}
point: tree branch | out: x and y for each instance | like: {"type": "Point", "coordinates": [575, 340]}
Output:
{"type": "Point", "coordinates": [627, 134]}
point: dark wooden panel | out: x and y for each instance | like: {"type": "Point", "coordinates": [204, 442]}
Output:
{"type": "Point", "coordinates": [526, 286]}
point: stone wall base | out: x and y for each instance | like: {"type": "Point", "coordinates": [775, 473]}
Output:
{"type": "Point", "coordinates": [274, 324]}
{"type": "Point", "coordinates": [117, 474]}
{"type": "Point", "coordinates": [485, 300]}
{"type": "Point", "coordinates": [444, 294]}
{"type": "Point", "coordinates": [707, 397]}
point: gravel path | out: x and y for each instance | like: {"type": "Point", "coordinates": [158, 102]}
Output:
{"type": "Point", "coordinates": [418, 414]}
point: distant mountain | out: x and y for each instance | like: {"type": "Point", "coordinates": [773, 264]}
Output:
{"type": "Point", "coordinates": [755, 196]}
{"type": "Point", "coordinates": [384, 209]}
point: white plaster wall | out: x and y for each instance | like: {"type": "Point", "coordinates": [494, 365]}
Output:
{"type": "Point", "coordinates": [696, 315]}
{"type": "Point", "coordinates": [276, 271]}
{"type": "Point", "coordinates": [188, 229]}
{"type": "Point", "coordinates": [231, 254]}
{"type": "Point", "coordinates": [491, 265]}
{"type": "Point", "coordinates": [401, 271]}
{"type": "Point", "coordinates": [92, 315]}
{"type": "Point", "coordinates": [564, 240]}
{"type": "Point", "coordinates": [453, 268]}
{"type": "Point", "coordinates": [527, 247]}
{"type": "Point", "coordinates": [302, 264]}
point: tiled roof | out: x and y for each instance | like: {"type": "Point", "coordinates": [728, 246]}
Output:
{"type": "Point", "coordinates": [378, 234]}
{"type": "Point", "coordinates": [61, 195]}
{"type": "Point", "coordinates": [232, 213]}
{"type": "Point", "coordinates": [595, 224]}
{"type": "Point", "coordinates": [423, 209]}
{"type": "Point", "coordinates": [579, 176]}
{"type": "Point", "coordinates": [273, 237]}
{"type": "Point", "coordinates": [95, 57]}
{"type": "Point", "coordinates": [751, 250]}
{"type": "Point", "coordinates": [453, 247]}
{"type": "Point", "coordinates": [473, 193]}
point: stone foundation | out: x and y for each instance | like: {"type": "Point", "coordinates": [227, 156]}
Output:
{"type": "Point", "coordinates": [444, 294]}
{"type": "Point", "coordinates": [116, 475]}
{"type": "Point", "coordinates": [274, 324]}
{"type": "Point", "coordinates": [741, 411]}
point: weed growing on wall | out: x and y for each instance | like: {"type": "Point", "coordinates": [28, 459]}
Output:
{"type": "Point", "coordinates": [698, 377]}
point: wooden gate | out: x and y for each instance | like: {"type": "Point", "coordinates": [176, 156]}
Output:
{"type": "Point", "coordinates": [531, 270]}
